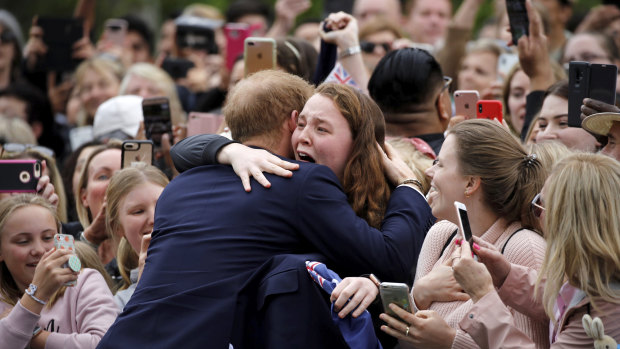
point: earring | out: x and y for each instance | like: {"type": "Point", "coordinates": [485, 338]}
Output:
{"type": "Point", "coordinates": [467, 195]}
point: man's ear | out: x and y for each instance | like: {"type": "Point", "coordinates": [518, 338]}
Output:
{"type": "Point", "coordinates": [292, 121]}
{"type": "Point", "coordinates": [444, 107]}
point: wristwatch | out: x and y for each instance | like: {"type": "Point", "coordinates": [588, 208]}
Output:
{"type": "Point", "coordinates": [36, 331]}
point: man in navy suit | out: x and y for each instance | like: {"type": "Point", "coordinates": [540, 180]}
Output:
{"type": "Point", "coordinates": [211, 237]}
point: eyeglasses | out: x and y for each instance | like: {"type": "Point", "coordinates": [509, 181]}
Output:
{"type": "Point", "coordinates": [6, 37]}
{"type": "Point", "coordinates": [369, 47]}
{"type": "Point", "coordinates": [537, 206]}
{"type": "Point", "coordinates": [20, 148]}
{"type": "Point", "coordinates": [446, 83]}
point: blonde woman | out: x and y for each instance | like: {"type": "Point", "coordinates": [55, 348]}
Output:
{"type": "Point", "coordinates": [36, 309]}
{"type": "Point", "coordinates": [131, 199]}
{"type": "Point", "coordinates": [97, 80]}
{"type": "Point", "coordinates": [579, 206]}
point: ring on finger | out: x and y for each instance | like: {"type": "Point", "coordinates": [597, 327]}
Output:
{"type": "Point", "coordinates": [407, 332]}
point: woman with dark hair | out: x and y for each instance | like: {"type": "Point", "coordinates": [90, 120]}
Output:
{"type": "Point", "coordinates": [296, 56]}
{"type": "Point", "coordinates": [553, 122]}
{"type": "Point", "coordinates": [11, 43]}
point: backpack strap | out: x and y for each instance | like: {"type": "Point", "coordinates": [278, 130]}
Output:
{"type": "Point", "coordinates": [510, 237]}
{"type": "Point", "coordinates": [448, 242]}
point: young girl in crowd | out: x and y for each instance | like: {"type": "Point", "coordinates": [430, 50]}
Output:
{"type": "Point", "coordinates": [131, 199]}
{"type": "Point", "coordinates": [579, 207]}
{"type": "Point", "coordinates": [48, 314]}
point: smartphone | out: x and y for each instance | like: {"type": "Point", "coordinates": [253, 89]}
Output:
{"type": "Point", "coordinates": [19, 176]}
{"type": "Point", "coordinates": [59, 35]}
{"type": "Point", "coordinates": [177, 68]}
{"type": "Point", "coordinates": [259, 54]}
{"type": "Point", "coordinates": [203, 123]}
{"type": "Point", "coordinates": [489, 109]}
{"type": "Point", "coordinates": [602, 86]}
{"type": "Point", "coordinates": [134, 151]}
{"type": "Point", "coordinates": [505, 63]}
{"type": "Point", "coordinates": [66, 242]}
{"type": "Point", "coordinates": [196, 33]}
{"type": "Point", "coordinates": [517, 16]}
{"type": "Point", "coordinates": [157, 120]}
{"type": "Point", "coordinates": [397, 293]}
{"type": "Point", "coordinates": [465, 103]}
{"type": "Point", "coordinates": [235, 33]}
{"type": "Point", "coordinates": [464, 228]}
{"type": "Point", "coordinates": [115, 31]}
{"type": "Point", "coordinates": [578, 82]}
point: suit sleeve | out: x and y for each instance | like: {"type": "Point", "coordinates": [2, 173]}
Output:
{"type": "Point", "coordinates": [327, 220]}
{"type": "Point", "coordinates": [197, 151]}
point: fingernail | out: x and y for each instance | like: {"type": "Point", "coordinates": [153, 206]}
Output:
{"type": "Point", "coordinates": [458, 242]}
{"type": "Point", "coordinates": [476, 246]}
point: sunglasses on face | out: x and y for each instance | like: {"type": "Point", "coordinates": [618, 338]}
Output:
{"type": "Point", "coordinates": [6, 37]}
{"type": "Point", "coordinates": [537, 206]}
{"type": "Point", "coordinates": [369, 47]}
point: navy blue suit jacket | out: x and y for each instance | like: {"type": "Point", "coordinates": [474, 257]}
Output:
{"type": "Point", "coordinates": [210, 236]}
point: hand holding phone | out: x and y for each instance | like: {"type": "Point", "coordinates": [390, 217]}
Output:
{"type": "Point", "coordinates": [519, 22]}
{"type": "Point", "coordinates": [464, 228]}
{"type": "Point", "coordinates": [589, 80]}
{"type": "Point", "coordinates": [235, 33]}
{"type": "Point", "coordinates": [259, 54]}
{"type": "Point", "coordinates": [397, 293]}
{"type": "Point", "coordinates": [134, 151]}
{"type": "Point", "coordinates": [60, 36]}
{"type": "Point", "coordinates": [65, 242]}
{"type": "Point", "coordinates": [157, 122]}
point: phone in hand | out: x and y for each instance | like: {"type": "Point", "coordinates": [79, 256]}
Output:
{"type": "Point", "coordinates": [203, 123]}
{"type": "Point", "coordinates": [235, 33]}
{"type": "Point", "coordinates": [259, 54]}
{"type": "Point", "coordinates": [489, 109]}
{"type": "Point", "coordinates": [115, 31]}
{"type": "Point", "coordinates": [519, 21]}
{"type": "Point", "coordinates": [465, 103]}
{"type": "Point", "coordinates": [157, 122]}
{"type": "Point", "coordinates": [134, 151]}
{"type": "Point", "coordinates": [589, 80]}
{"type": "Point", "coordinates": [59, 35]}
{"type": "Point", "coordinates": [19, 176]}
{"type": "Point", "coordinates": [66, 242]}
{"type": "Point", "coordinates": [397, 293]}
{"type": "Point", "coordinates": [464, 228]}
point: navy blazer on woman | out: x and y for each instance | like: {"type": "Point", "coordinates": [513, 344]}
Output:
{"type": "Point", "coordinates": [210, 236]}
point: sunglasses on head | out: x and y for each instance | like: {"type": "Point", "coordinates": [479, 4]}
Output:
{"type": "Point", "coordinates": [537, 206]}
{"type": "Point", "coordinates": [20, 148]}
{"type": "Point", "coordinates": [369, 47]}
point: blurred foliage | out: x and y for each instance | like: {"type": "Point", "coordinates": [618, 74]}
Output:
{"type": "Point", "coordinates": [155, 11]}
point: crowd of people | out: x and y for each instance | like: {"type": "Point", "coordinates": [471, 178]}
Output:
{"type": "Point", "coordinates": [350, 154]}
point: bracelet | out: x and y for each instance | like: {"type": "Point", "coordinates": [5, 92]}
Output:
{"type": "Point", "coordinates": [36, 331]}
{"type": "Point", "coordinates": [30, 291]}
{"type": "Point", "coordinates": [85, 240]}
{"type": "Point", "coordinates": [413, 181]}
{"type": "Point", "coordinates": [375, 280]}
{"type": "Point", "coordinates": [350, 51]}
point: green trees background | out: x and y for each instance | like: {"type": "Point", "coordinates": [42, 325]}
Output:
{"type": "Point", "coordinates": [154, 11]}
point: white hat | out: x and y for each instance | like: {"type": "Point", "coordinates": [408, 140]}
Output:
{"type": "Point", "coordinates": [120, 113]}
{"type": "Point", "coordinates": [600, 123]}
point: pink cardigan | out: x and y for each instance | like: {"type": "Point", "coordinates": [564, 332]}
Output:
{"type": "Point", "coordinates": [491, 324]}
{"type": "Point", "coordinates": [525, 248]}
{"type": "Point", "coordinates": [79, 319]}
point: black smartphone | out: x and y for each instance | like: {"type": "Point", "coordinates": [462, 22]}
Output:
{"type": "Point", "coordinates": [602, 86]}
{"type": "Point", "coordinates": [157, 120]}
{"type": "Point", "coordinates": [136, 151]}
{"type": "Point", "coordinates": [59, 35]}
{"type": "Point", "coordinates": [197, 33]}
{"type": "Point", "coordinates": [578, 82]}
{"type": "Point", "coordinates": [19, 176]}
{"type": "Point", "coordinates": [517, 16]}
{"type": "Point", "coordinates": [177, 68]}
{"type": "Point", "coordinates": [464, 227]}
